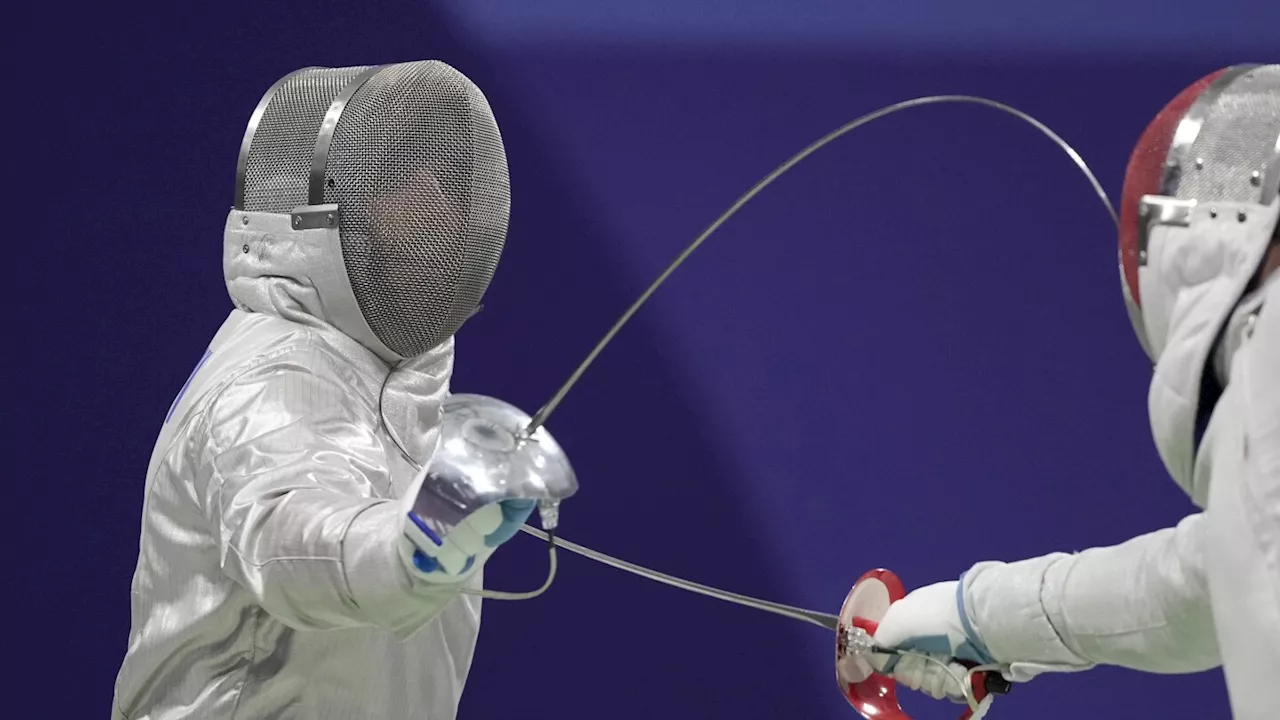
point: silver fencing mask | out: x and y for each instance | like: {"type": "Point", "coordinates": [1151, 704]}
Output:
{"type": "Point", "coordinates": [404, 166]}
{"type": "Point", "coordinates": [1216, 145]}
{"type": "Point", "coordinates": [1200, 208]}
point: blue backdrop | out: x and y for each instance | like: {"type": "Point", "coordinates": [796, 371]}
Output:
{"type": "Point", "coordinates": [911, 352]}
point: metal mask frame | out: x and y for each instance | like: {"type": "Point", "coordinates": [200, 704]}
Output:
{"type": "Point", "coordinates": [316, 213]}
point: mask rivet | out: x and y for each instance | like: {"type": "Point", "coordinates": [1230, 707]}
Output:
{"type": "Point", "coordinates": [1199, 163]}
{"type": "Point", "coordinates": [245, 219]}
{"type": "Point", "coordinates": [329, 218]}
{"type": "Point", "coordinates": [1241, 216]}
{"type": "Point", "coordinates": [1213, 212]}
{"type": "Point", "coordinates": [245, 248]}
{"type": "Point", "coordinates": [1256, 178]}
{"type": "Point", "coordinates": [297, 221]}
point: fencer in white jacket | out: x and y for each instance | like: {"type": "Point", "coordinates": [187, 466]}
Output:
{"type": "Point", "coordinates": [1199, 258]}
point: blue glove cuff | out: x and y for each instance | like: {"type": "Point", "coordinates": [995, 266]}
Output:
{"type": "Point", "coordinates": [514, 513]}
{"type": "Point", "coordinates": [975, 645]}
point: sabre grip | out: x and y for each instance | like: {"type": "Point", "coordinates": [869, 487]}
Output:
{"type": "Point", "coordinates": [983, 684]}
{"type": "Point", "coordinates": [986, 683]}
{"type": "Point", "coordinates": [995, 684]}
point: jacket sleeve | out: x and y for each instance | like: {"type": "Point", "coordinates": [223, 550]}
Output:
{"type": "Point", "coordinates": [299, 497]}
{"type": "Point", "coordinates": [1142, 604]}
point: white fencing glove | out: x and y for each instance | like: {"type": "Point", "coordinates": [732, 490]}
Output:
{"type": "Point", "coordinates": [443, 552]}
{"type": "Point", "coordinates": [931, 620]}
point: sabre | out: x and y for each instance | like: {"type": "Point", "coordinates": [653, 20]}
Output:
{"type": "Point", "coordinates": [492, 451]}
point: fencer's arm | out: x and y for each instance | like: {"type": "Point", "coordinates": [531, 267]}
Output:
{"type": "Point", "coordinates": [1142, 604]}
{"type": "Point", "coordinates": [295, 502]}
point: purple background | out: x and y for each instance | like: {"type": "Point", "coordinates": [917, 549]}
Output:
{"type": "Point", "coordinates": [911, 352]}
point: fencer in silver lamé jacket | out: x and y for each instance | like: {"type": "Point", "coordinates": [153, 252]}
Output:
{"type": "Point", "coordinates": [268, 583]}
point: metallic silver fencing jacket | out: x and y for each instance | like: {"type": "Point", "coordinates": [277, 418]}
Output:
{"type": "Point", "coordinates": [268, 583]}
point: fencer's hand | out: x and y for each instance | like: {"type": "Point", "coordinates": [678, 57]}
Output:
{"type": "Point", "coordinates": [930, 620]}
{"type": "Point", "coordinates": [456, 555]}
